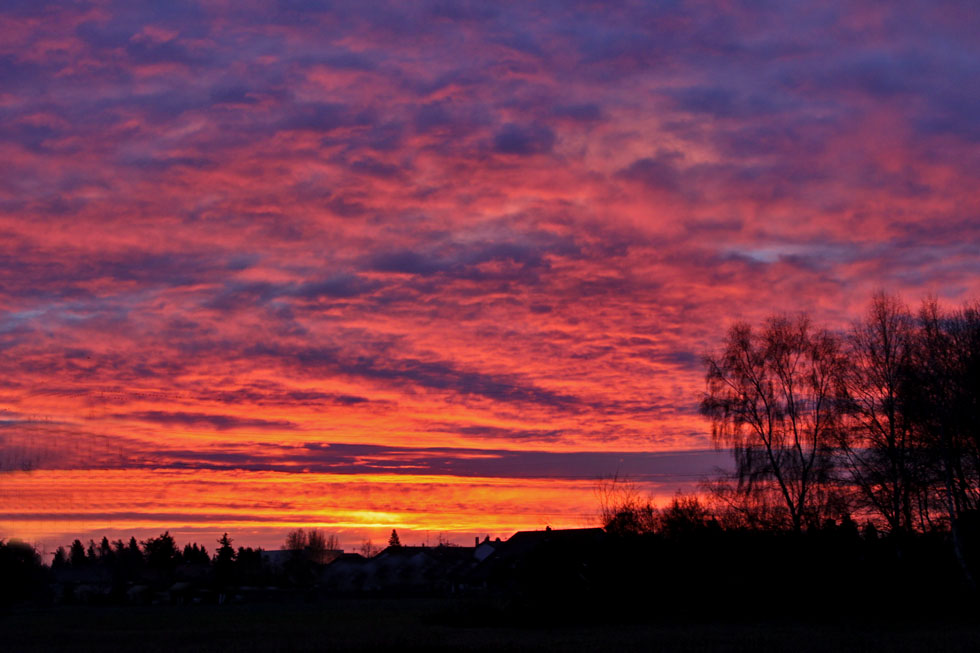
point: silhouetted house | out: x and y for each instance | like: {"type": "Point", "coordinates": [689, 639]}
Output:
{"type": "Point", "coordinates": [540, 561]}
{"type": "Point", "coordinates": [421, 569]}
{"type": "Point", "coordinates": [400, 570]}
{"type": "Point", "coordinates": [276, 560]}
{"type": "Point", "coordinates": [329, 555]}
{"type": "Point", "coordinates": [139, 594]}
{"type": "Point", "coordinates": [485, 548]}
{"type": "Point", "coordinates": [194, 572]}
{"type": "Point", "coordinates": [92, 584]}
{"type": "Point", "coordinates": [181, 593]}
{"type": "Point", "coordinates": [345, 575]}
{"type": "Point", "coordinates": [348, 558]}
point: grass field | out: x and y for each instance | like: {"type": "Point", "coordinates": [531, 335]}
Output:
{"type": "Point", "coordinates": [410, 625]}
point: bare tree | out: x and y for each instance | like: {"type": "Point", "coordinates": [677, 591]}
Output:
{"type": "Point", "coordinates": [444, 540]}
{"type": "Point", "coordinates": [295, 540]}
{"type": "Point", "coordinates": [686, 514]}
{"type": "Point", "coordinates": [623, 509]}
{"type": "Point", "coordinates": [776, 397]}
{"type": "Point", "coordinates": [369, 549]}
{"type": "Point", "coordinates": [314, 545]}
{"type": "Point", "coordinates": [320, 547]}
{"type": "Point", "coordinates": [945, 394]}
{"type": "Point", "coordinates": [742, 507]}
{"type": "Point", "coordinates": [880, 451]}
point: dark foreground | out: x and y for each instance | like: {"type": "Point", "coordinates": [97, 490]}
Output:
{"type": "Point", "coordinates": [436, 625]}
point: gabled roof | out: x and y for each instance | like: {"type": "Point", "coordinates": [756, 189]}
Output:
{"type": "Point", "coordinates": [524, 544]}
{"type": "Point", "coordinates": [440, 553]}
{"type": "Point", "coordinates": [522, 540]}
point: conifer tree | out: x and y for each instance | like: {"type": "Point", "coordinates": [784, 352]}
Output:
{"type": "Point", "coordinates": [226, 553]}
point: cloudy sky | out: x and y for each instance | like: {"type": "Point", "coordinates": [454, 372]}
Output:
{"type": "Point", "coordinates": [438, 266]}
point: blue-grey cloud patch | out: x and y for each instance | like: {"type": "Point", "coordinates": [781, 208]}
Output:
{"type": "Point", "coordinates": [278, 396]}
{"type": "Point", "coordinates": [434, 375]}
{"type": "Point", "coordinates": [432, 116]}
{"type": "Point", "coordinates": [404, 261]}
{"type": "Point", "coordinates": [37, 273]}
{"type": "Point", "coordinates": [324, 117]}
{"type": "Point", "coordinates": [238, 295]}
{"type": "Point", "coordinates": [205, 420]}
{"type": "Point", "coordinates": [463, 261]}
{"type": "Point", "coordinates": [447, 377]}
{"type": "Point", "coordinates": [685, 467]}
{"type": "Point", "coordinates": [376, 168]}
{"type": "Point", "coordinates": [588, 112]}
{"type": "Point", "coordinates": [233, 94]}
{"type": "Point", "coordinates": [524, 140]}
{"type": "Point", "coordinates": [146, 51]}
{"type": "Point", "coordinates": [339, 286]}
{"type": "Point", "coordinates": [725, 102]}
{"type": "Point", "coordinates": [516, 435]}
{"type": "Point", "coordinates": [661, 172]}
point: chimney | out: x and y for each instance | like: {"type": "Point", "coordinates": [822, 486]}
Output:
{"type": "Point", "coordinates": [476, 541]}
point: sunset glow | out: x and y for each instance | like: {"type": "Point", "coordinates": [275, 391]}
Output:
{"type": "Point", "coordinates": [438, 266]}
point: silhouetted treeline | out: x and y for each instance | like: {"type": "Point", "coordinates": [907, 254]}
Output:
{"type": "Point", "coordinates": [157, 570]}
{"type": "Point", "coordinates": [679, 561]}
{"type": "Point", "coordinates": [136, 572]}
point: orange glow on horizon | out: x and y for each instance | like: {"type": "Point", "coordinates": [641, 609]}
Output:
{"type": "Point", "coordinates": [259, 508]}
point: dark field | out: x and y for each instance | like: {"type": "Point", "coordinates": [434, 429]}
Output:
{"type": "Point", "coordinates": [408, 625]}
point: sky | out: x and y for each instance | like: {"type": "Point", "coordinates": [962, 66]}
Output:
{"type": "Point", "coordinates": [439, 266]}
